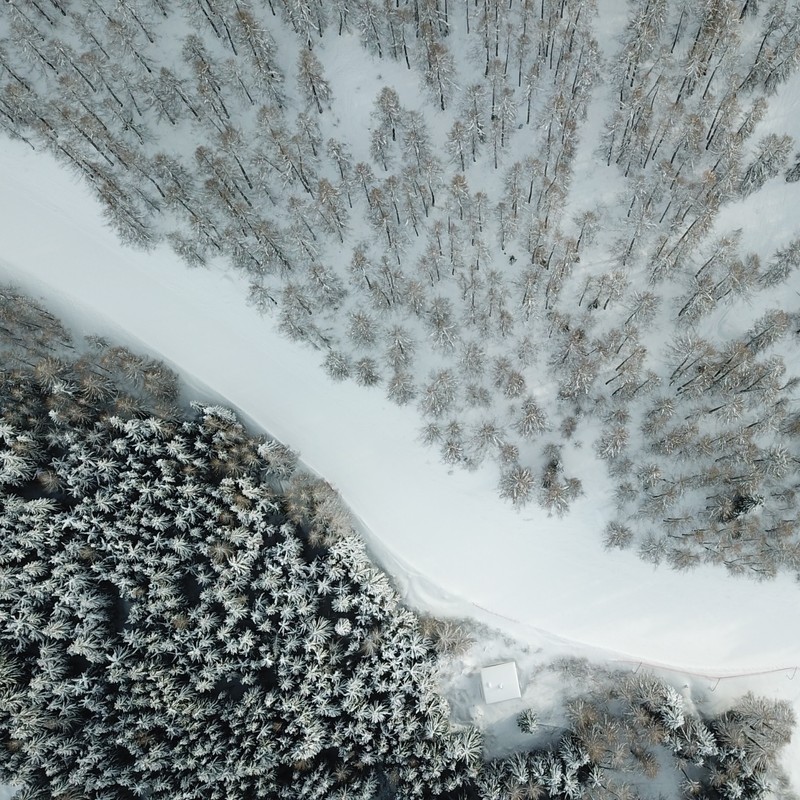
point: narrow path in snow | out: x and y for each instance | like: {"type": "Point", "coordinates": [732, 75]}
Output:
{"type": "Point", "coordinates": [443, 535]}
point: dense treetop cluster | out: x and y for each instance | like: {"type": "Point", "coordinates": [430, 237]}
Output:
{"type": "Point", "coordinates": [182, 624]}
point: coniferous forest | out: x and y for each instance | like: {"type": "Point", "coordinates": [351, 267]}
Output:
{"type": "Point", "coordinates": [517, 231]}
{"type": "Point", "coordinates": [186, 614]}
{"type": "Point", "coordinates": [530, 220]}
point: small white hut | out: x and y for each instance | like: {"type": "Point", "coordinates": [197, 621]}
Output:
{"type": "Point", "coordinates": [499, 682]}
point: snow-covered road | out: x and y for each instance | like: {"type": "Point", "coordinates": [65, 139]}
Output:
{"type": "Point", "coordinates": [443, 534]}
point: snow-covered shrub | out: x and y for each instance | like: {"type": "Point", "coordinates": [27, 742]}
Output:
{"type": "Point", "coordinates": [517, 484]}
{"type": "Point", "coordinates": [793, 173]}
{"type": "Point", "coordinates": [528, 720]}
{"type": "Point", "coordinates": [338, 365]}
{"type": "Point", "coordinates": [773, 150]}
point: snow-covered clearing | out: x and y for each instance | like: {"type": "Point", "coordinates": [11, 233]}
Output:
{"type": "Point", "coordinates": [453, 547]}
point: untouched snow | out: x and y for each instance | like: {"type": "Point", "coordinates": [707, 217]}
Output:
{"type": "Point", "coordinates": [454, 547]}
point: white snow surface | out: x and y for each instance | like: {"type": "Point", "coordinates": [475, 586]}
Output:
{"type": "Point", "coordinates": [452, 545]}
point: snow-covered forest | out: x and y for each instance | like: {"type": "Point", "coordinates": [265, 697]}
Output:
{"type": "Point", "coordinates": [509, 214]}
{"type": "Point", "coordinates": [562, 235]}
{"type": "Point", "coordinates": [185, 614]}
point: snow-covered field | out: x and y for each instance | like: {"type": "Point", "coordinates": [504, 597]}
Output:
{"type": "Point", "coordinates": [452, 545]}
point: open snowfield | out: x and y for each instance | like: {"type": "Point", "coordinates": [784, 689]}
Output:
{"type": "Point", "coordinates": [452, 545]}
